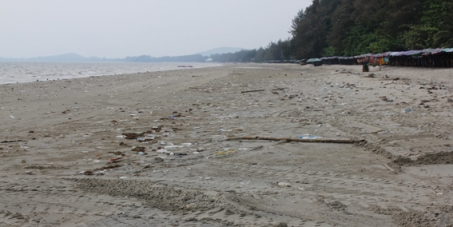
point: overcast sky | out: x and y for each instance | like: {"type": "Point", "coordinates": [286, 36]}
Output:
{"type": "Point", "coordinates": [120, 28]}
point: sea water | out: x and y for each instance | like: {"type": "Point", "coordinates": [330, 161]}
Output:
{"type": "Point", "coordinates": [20, 72]}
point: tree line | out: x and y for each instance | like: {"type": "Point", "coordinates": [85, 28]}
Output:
{"type": "Point", "coordinates": [354, 27]}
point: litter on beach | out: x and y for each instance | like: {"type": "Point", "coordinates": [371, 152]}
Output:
{"type": "Point", "coordinates": [309, 136]}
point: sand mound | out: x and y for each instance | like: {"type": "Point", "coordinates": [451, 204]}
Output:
{"type": "Point", "coordinates": [156, 196]}
{"type": "Point", "coordinates": [433, 217]}
{"type": "Point", "coordinates": [428, 159]}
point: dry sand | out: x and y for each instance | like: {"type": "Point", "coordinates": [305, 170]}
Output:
{"type": "Point", "coordinates": [55, 134]}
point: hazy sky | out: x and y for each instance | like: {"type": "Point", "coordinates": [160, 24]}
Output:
{"type": "Point", "coordinates": [120, 28]}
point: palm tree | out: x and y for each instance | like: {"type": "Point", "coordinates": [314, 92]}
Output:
{"type": "Point", "coordinates": [444, 38]}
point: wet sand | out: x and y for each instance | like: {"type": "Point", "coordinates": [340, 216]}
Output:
{"type": "Point", "coordinates": [65, 160]}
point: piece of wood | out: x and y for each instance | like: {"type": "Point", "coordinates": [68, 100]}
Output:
{"type": "Point", "coordinates": [256, 148]}
{"type": "Point", "coordinates": [388, 167]}
{"type": "Point", "coordinates": [12, 141]}
{"type": "Point", "coordinates": [252, 91]}
{"type": "Point", "coordinates": [296, 140]}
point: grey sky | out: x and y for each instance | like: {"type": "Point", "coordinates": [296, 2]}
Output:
{"type": "Point", "coordinates": [120, 28]}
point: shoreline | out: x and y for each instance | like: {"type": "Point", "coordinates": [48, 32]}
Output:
{"type": "Point", "coordinates": [63, 68]}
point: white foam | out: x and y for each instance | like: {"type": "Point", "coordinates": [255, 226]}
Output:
{"type": "Point", "coordinates": [20, 72]}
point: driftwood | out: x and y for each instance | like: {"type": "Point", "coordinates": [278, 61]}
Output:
{"type": "Point", "coordinates": [252, 91]}
{"type": "Point", "coordinates": [296, 140]}
{"type": "Point", "coordinates": [12, 141]}
{"type": "Point", "coordinates": [388, 167]}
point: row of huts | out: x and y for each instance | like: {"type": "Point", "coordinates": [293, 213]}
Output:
{"type": "Point", "coordinates": [441, 58]}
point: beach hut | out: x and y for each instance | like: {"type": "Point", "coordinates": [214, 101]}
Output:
{"type": "Point", "coordinates": [314, 61]}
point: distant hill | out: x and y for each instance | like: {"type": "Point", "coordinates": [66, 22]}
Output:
{"type": "Point", "coordinates": [70, 57]}
{"type": "Point", "coordinates": [220, 50]}
{"type": "Point", "coordinates": [73, 57]}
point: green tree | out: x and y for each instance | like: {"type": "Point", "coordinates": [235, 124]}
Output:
{"type": "Point", "coordinates": [444, 38]}
{"type": "Point", "coordinates": [435, 27]}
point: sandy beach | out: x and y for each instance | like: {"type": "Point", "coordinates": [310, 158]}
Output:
{"type": "Point", "coordinates": [165, 148]}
